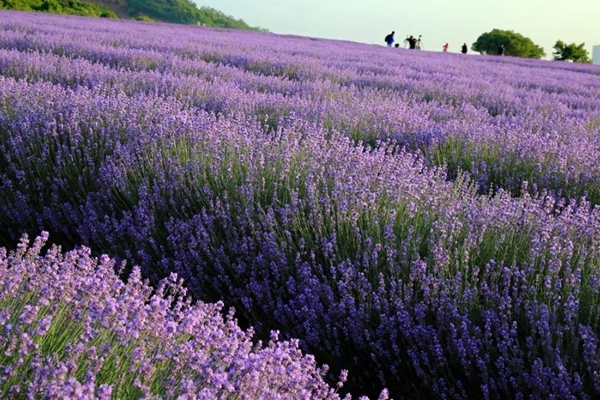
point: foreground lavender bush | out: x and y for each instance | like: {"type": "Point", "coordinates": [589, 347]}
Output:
{"type": "Point", "coordinates": [243, 174]}
{"type": "Point", "coordinates": [72, 329]}
{"type": "Point", "coordinates": [378, 264]}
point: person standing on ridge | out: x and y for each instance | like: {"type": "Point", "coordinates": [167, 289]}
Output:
{"type": "Point", "coordinates": [464, 48]}
{"type": "Point", "coordinates": [445, 48]}
{"type": "Point", "coordinates": [419, 44]}
{"type": "Point", "coordinates": [389, 39]}
{"type": "Point", "coordinates": [412, 42]}
{"type": "Point", "coordinates": [501, 50]}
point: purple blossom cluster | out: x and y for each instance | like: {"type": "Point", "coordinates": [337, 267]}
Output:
{"type": "Point", "coordinates": [71, 328]}
{"type": "Point", "coordinates": [319, 188]}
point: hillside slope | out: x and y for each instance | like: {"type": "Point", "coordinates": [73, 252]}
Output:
{"type": "Point", "coordinates": [72, 7]}
{"type": "Point", "coordinates": [175, 11]}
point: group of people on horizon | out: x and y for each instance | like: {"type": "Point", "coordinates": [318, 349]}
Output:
{"type": "Point", "coordinates": [411, 41]}
{"type": "Point", "coordinates": [417, 44]}
{"type": "Point", "coordinates": [463, 49]}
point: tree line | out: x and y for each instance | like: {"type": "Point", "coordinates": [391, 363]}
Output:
{"type": "Point", "coordinates": [183, 12]}
{"type": "Point", "coordinates": [518, 45]}
{"type": "Point", "coordinates": [174, 11]}
{"type": "Point", "coordinates": [73, 7]}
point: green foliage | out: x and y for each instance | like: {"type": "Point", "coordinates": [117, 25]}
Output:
{"type": "Point", "coordinates": [516, 44]}
{"type": "Point", "coordinates": [175, 11]}
{"type": "Point", "coordinates": [571, 52]}
{"type": "Point", "coordinates": [210, 17]}
{"type": "Point", "coordinates": [178, 11]}
{"type": "Point", "coordinates": [72, 7]}
{"type": "Point", "coordinates": [143, 18]}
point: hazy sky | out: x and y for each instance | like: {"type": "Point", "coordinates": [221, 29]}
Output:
{"type": "Point", "coordinates": [439, 21]}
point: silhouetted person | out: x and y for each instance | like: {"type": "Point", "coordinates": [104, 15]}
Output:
{"type": "Point", "coordinates": [445, 48]}
{"type": "Point", "coordinates": [501, 50]}
{"type": "Point", "coordinates": [389, 39]}
{"type": "Point", "coordinates": [412, 42]}
{"type": "Point", "coordinates": [464, 48]}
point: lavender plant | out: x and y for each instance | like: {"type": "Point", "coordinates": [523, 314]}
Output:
{"type": "Point", "coordinates": [72, 329]}
{"type": "Point", "coordinates": [320, 189]}
{"type": "Point", "coordinates": [536, 121]}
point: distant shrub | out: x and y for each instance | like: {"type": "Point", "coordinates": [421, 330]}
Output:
{"type": "Point", "coordinates": [143, 17]}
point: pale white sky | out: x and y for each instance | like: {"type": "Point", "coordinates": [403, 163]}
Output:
{"type": "Point", "coordinates": [439, 21]}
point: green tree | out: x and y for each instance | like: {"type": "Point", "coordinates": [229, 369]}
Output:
{"type": "Point", "coordinates": [75, 7]}
{"type": "Point", "coordinates": [52, 6]}
{"type": "Point", "coordinates": [180, 12]}
{"type": "Point", "coordinates": [571, 52]}
{"type": "Point", "coordinates": [176, 11]}
{"type": "Point", "coordinates": [515, 44]}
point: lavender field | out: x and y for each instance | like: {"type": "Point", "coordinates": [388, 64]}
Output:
{"type": "Point", "coordinates": [425, 222]}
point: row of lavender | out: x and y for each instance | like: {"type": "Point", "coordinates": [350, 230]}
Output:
{"type": "Point", "coordinates": [71, 329]}
{"type": "Point", "coordinates": [245, 179]}
{"type": "Point", "coordinates": [504, 122]}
